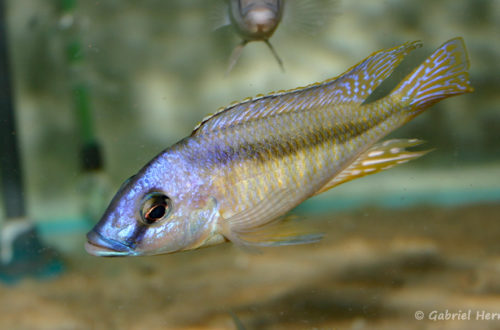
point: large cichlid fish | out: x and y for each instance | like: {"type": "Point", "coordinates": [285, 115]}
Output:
{"type": "Point", "coordinates": [249, 164]}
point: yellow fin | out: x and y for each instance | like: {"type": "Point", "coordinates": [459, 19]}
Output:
{"type": "Point", "coordinates": [443, 74]}
{"type": "Point", "coordinates": [379, 157]}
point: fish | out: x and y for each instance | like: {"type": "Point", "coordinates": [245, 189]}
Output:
{"type": "Point", "coordinates": [257, 20]}
{"type": "Point", "coordinates": [245, 167]}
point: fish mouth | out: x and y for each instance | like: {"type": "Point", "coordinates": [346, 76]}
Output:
{"type": "Point", "coordinates": [101, 246]}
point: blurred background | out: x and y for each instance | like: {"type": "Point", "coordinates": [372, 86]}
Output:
{"type": "Point", "coordinates": [135, 77]}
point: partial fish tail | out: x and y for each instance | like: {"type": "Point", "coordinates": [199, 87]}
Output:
{"type": "Point", "coordinates": [443, 74]}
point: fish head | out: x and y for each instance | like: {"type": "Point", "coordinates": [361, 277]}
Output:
{"type": "Point", "coordinates": [159, 210]}
{"type": "Point", "coordinates": [256, 19]}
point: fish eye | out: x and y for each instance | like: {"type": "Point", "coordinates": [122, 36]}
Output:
{"type": "Point", "coordinates": [155, 207]}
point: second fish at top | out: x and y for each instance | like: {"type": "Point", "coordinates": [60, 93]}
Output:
{"type": "Point", "coordinates": [257, 20]}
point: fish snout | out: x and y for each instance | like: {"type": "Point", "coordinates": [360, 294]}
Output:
{"type": "Point", "coordinates": [100, 246]}
{"type": "Point", "coordinates": [262, 20]}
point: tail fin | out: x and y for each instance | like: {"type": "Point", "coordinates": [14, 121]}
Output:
{"type": "Point", "coordinates": [443, 74]}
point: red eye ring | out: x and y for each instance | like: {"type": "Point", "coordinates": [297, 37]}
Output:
{"type": "Point", "coordinates": [155, 213]}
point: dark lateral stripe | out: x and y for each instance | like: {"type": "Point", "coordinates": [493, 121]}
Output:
{"type": "Point", "coordinates": [136, 236]}
{"type": "Point", "coordinates": [285, 145]}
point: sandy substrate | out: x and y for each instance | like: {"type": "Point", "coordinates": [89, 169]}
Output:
{"type": "Point", "coordinates": [374, 269]}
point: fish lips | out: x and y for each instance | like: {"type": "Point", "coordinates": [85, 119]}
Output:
{"type": "Point", "coordinates": [101, 246]}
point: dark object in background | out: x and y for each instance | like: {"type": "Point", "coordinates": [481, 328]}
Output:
{"type": "Point", "coordinates": [21, 251]}
{"type": "Point", "coordinates": [28, 256]}
{"type": "Point", "coordinates": [94, 187]}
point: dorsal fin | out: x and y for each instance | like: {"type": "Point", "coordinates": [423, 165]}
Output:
{"type": "Point", "coordinates": [354, 86]}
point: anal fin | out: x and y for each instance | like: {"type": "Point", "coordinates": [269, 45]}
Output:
{"type": "Point", "coordinates": [379, 157]}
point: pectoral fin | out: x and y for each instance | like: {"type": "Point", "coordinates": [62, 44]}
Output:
{"type": "Point", "coordinates": [262, 225]}
{"type": "Point", "coordinates": [218, 16]}
{"type": "Point", "coordinates": [283, 231]}
{"type": "Point", "coordinates": [275, 54]}
{"type": "Point", "coordinates": [235, 55]}
{"type": "Point", "coordinates": [380, 157]}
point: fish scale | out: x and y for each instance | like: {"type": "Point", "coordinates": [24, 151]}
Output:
{"type": "Point", "coordinates": [327, 137]}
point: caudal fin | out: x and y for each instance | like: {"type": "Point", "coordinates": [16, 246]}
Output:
{"type": "Point", "coordinates": [443, 74]}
